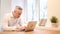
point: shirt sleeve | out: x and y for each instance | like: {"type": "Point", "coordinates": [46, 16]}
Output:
{"type": "Point", "coordinates": [5, 24]}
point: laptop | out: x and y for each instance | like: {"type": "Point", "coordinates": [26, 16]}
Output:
{"type": "Point", "coordinates": [31, 25]}
{"type": "Point", "coordinates": [42, 22]}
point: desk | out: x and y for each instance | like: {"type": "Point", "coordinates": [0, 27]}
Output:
{"type": "Point", "coordinates": [36, 31]}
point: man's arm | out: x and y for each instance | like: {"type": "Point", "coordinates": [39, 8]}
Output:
{"type": "Point", "coordinates": [21, 26]}
{"type": "Point", "coordinates": [5, 24]}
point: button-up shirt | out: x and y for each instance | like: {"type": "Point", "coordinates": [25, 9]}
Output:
{"type": "Point", "coordinates": [11, 23]}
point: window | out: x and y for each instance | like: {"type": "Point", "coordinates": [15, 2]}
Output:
{"type": "Point", "coordinates": [32, 9]}
{"type": "Point", "coordinates": [43, 8]}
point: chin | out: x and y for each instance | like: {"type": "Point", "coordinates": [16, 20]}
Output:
{"type": "Point", "coordinates": [17, 17]}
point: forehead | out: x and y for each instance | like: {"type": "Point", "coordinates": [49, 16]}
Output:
{"type": "Point", "coordinates": [17, 9]}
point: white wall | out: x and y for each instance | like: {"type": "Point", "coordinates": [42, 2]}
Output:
{"type": "Point", "coordinates": [53, 9]}
{"type": "Point", "coordinates": [0, 9]}
{"type": "Point", "coordinates": [5, 7]}
{"type": "Point", "coordinates": [0, 5]}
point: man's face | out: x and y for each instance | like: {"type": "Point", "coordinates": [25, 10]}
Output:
{"type": "Point", "coordinates": [17, 13]}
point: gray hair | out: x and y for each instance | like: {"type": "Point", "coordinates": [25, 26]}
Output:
{"type": "Point", "coordinates": [18, 7]}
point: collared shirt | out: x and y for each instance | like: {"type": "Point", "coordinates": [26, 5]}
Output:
{"type": "Point", "coordinates": [11, 22]}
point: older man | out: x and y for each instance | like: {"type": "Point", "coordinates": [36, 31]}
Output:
{"type": "Point", "coordinates": [13, 20]}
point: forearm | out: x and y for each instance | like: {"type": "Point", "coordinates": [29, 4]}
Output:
{"type": "Point", "coordinates": [9, 28]}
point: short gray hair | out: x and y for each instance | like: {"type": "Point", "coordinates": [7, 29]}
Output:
{"type": "Point", "coordinates": [18, 7]}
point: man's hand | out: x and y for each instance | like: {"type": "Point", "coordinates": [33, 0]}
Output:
{"type": "Point", "coordinates": [20, 28]}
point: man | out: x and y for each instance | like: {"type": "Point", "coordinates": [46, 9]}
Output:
{"type": "Point", "coordinates": [13, 21]}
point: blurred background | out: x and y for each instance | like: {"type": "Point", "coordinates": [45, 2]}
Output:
{"type": "Point", "coordinates": [32, 9]}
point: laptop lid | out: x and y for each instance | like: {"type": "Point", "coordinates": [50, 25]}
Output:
{"type": "Point", "coordinates": [31, 25]}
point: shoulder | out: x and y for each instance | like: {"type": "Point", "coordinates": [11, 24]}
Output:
{"type": "Point", "coordinates": [7, 15]}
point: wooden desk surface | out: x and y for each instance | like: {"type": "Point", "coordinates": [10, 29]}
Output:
{"type": "Point", "coordinates": [36, 31]}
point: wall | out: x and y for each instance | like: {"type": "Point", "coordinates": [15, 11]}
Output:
{"type": "Point", "coordinates": [5, 7]}
{"type": "Point", "coordinates": [53, 10]}
{"type": "Point", "coordinates": [0, 5]}
{"type": "Point", "coordinates": [0, 10]}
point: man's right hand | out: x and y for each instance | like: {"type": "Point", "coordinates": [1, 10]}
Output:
{"type": "Point", "coordinates": [20, 28]}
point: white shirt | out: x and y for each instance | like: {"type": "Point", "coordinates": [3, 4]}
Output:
{"type": "Point", "coordinates": [11, 23]}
